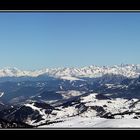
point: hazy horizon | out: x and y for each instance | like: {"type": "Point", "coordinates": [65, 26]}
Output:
{"type": "Point", "coordinates": [32, 69]}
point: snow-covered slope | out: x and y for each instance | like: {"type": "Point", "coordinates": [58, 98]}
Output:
{"type": "Point", "coordinates": [86, 110]}
{"type": "Point", "coordinates": [89, 106]}
{"type": "Point", "coordinates": [96, 111]}
{"type": "Point", "coordinates": [76, 73]}
{"type": "Point", "coordinates": [81, 122]}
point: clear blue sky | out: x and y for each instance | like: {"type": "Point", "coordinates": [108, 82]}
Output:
{"type": "Point", "coordinates": [39, 40]}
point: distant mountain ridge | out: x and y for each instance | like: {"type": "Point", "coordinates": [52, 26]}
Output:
{"type": "Point", "coordinates": [127, 70]}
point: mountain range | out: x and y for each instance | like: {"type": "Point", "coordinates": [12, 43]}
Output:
{"type": "Point", "coordinates": [51, 96]}
{"type": "Point", "coordinates": [127, 70]}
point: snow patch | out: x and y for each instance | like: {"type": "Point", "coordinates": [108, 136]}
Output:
{"type": "Point", "coordinates": [1, 94]}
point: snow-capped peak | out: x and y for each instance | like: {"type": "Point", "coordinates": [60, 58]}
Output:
{"type": "Point", "coordinates": [127, 70]}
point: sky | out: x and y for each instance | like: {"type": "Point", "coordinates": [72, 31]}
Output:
{"type": "Point", "coordinates": [53, 39]}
